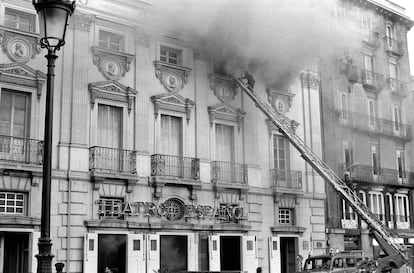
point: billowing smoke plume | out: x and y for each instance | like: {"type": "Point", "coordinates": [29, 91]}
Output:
{"type": "Point", "coordinates": [273, 38]}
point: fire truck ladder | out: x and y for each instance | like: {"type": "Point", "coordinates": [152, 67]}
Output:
{"type": "Point", "coordinates": [396, 257]}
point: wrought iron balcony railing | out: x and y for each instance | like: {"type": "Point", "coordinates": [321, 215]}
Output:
{"type": "Point", "coordinates": [112, 160]}
{"type": "Point", "coordinates": [398, 86]}
{"type": "Point", "coordinates": [21, 150]}
{"type": "Point", "coordinates": [377, 125]}
{"type": "Point", "coordinates": [379, 175]}
{"type": "Point", "coordinates": [371, 38]}
{"type": "Point", "coordinates": [175, 166]}
{"type": "Point", "coordinates": [371, 79]}
{"type": "Point", "coordinates": [228, 172]}
{"type": "Point", "coordinates": [394, 46]}
{"type": "Point", "coordinates": [286, 179]}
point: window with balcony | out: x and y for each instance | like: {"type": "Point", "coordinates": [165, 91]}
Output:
{"type": "Point", "coordinates": [375, 157]}
{"type": "Point", "coordinates": [111, 41]}
{"type": "Point", "coordinates": [171, 55]}
{"type": "Point", "coordinates": [393, 80]}
{"type": "Point", "coordinates": [390, 207]}
{"type": "Point", "coordinates": [110, 126]}
{"type": "Point", "coordinates": [401, 166]}
{"type": "Point", "coordinates": [171, 135]}
{"type": "Point", "coordinates": [390, 34]}
{"type": "Point", "coordinates": [402, 211]}
{"type": "Point", "coordinates": [376, 200]}
{"type": "Point", "coordinates": [19, 20]}
{"type": "Point", "coordinates": [285, 216]}
{"type": "Point", "coordinates": [372, 114]}
{"type": "Point", "coordinates": [13, 203]}
{"type": "Point", "coordinates": [224, 143]}
{"type": "Point", "coordinates": [347, 154]}
{"type": "Point", "coordinates": [280, 153]}
{"type": "Point", "coordinates": [396, 118]}
{"type": "Point", "coordinates": [369, 69]}
{"type": "Point", "coordinates": [343, 106]}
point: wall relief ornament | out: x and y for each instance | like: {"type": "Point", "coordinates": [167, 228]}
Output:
{"type": "Point", "coordinates": [113, 65]}
{"type": "Point", "coordinates": [19, 47]}
{"type": "Point", "coordinates": [83, 21]}
{"type": "Point", "coordinates": [280, 101]}
{"type": "Point", "coordinates": [310, 80]}
{"type": "Point", "coordinates": [173, 77]}
{"type": "Point", "coordinates": [224, 87]}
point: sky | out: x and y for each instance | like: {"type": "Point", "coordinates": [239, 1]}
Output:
{"type": "Point", "coordinates": [409, 6]}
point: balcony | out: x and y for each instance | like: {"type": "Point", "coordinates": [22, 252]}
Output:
{"type": "Point", "coordinates": [174, 170]}
{"type": "Point", "coordinates": [286, 181]}
{"type": "Point", "coordinates": [380, 175]}
{"type": "Point", "coordinates": [397, 87]}
{"type": "Point", "coordinates": [367, 123]}
{"type": "Point", "coordinates": [105, 162]}
{"type": "Point", "coordinates": [371, 39]}
{"type": "Point", "coordinates": [372, 81]}
{"type": "Point", "coordinates": [22, 151]}
{"type": "Point", "coordinates": [394, 47]}
{"type": "Point", "coordinates": [228, 175]}
{"type": "Point", "coordinates": [402, 221]}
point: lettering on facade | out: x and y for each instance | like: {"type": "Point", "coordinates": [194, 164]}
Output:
{"type": "Point", "coordinates": [223, 212]}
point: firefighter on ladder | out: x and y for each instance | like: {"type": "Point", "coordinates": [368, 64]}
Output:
{"type": "Point", "coordinates": [250, 80]}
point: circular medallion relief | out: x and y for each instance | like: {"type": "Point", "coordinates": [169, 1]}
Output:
{"type": "Point", "coordinates": [172, 81]}
{"type": "Point", "coordinates": [280, 106]}
{"type": "Point", "coordinates": [225, 92]}
{"type": "Point", "coordinates": [112, 68]}
{"type": "Point", "coordinates": [19, 49]}
{"type": "Point", "coordinates": [174, 209]}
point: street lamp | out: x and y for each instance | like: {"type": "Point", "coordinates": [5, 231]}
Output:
{"type": "Point", "coordinates": [53, 17]}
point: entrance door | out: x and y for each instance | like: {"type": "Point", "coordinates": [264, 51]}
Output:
{"type": "Point", "coordinates": [112, 253]}
{"type": "Point", "coordinates": [287, 255]}
{"type": "Point", "coordinates": [16, 252]}
{"type": "Point", "coordinates": [230, 251]}
{"type": "Point", "coordinates": [173, 253]}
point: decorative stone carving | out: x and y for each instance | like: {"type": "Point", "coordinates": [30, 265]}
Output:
{"type": "Point", "coordinates": [310, 80]}
{"type": "Point", "coordinates": [226, 112]}
{"type": "Point", "coordinates": [173, 77]}
{"type": "Point", "coordinates": [19, 47]}
{"type": "Point", "coordinates": [113, 65]}
{"type": "Point", "coordinates": [114, 91]}
{"type": "Point", "coordinates": [224, 87]}
{"type": "Point", "coordinates": [21, 74]}
{"type": "Point", "coordinates": [83, 21]}
{"type": "Point", "coordinates": [172, 102]}
{"type": "Point", "coordinates": [280, 101]}
{"type": "Point", "coordinates": [272, 127]}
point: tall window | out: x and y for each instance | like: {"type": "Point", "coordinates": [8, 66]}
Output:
{"type": "Point", "coordinates": [347, 154]}
{"type": "Point", "coordinates": [224, 143]}
{"type": "Point", "coordinates": [396, 116]}
{"type": "Point", "coordinates": [110, 126]}
{"type": "Point", "coordinates": [369, 68]}
{"type": "Point", "coordinates": [390, 209]}
{"type": "Point", "coordinates": [14, 111]}
{"type": "Point", "coordinates": [401, 165]}
{"type": "Point", "coordinates": [371, 113]}
{"type": "Point", "coordinates": [402, 208]}
{"type": "Point", "coordinates": [377, 204]}
{"type": "Point", "coordinates": [389, 33]}
{"type": "Point", "coordinates": [112, 41]}
{"type": "Point", "coordinates": [375, 159]}
{"type": "Point", "coordinates": [393, 75]}
{"type": "Point", "coordinates": [171, 135]}
{"type": "Point", "coordinates": [347, 211]}
{"type": "Point", "coordinates": [19, 20]}
{"type": "Point", "coordinates": [280, 152]}
{"type": "Point", "coordinates": [367, 25]}
{"type": "Point", "coordinates": [171, 55]}
{"type": "Point", "coordinates": [343, 104]}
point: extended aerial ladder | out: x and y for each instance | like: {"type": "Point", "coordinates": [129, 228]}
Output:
{"type": "Point", "coordinates": [395, 257]}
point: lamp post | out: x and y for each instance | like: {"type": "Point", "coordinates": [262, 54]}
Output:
{"type": "Point", "coordinates": [53, 17]}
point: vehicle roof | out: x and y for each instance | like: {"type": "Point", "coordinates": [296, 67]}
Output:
{"type": "Point", "coordinates": [328, 256]}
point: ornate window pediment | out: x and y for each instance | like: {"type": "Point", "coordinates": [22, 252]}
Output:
{"type": "Point", "coordinates": [172, 76]}
{"type": "Point", "coordinates": [280, 101]}
{"type": "Point", "coordinates": [224, 87]}
{"type": "Point", "coordinates": [24, 75]}
{"type": "Point", "coordinates": [19, 46]}
{"type": "Point", "coordinates": [272, 127]}
{"type": "Point", "coordinates": [172, 102]}
{"type": "Point", "coordinates": [112, 64]}
{"type": "Point", "coordinates": [226, 112]}
{"type": "Point", "coordinates": [112, 90]}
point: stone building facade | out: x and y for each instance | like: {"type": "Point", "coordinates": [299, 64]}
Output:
{"type": "Point", "coordinates": [160, 162]}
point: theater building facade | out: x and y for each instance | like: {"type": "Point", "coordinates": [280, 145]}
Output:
{"type": "Point", "coordinates": [160, 162]}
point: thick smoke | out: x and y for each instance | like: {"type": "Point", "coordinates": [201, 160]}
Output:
{"type": "Point", "coordinates": [275, 39]}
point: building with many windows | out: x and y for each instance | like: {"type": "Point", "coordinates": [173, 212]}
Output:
{"type": "Point", "coordinates": [367, 127]}
{"type": "Point", "coordinates": [160, 162]}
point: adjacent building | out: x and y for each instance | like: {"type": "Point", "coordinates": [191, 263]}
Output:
{"type": "Point", "coordinates": [160, 162]}
{"type": "Point", "coordinates": [367, 127]}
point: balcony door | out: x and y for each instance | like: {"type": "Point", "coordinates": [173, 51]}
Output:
{"type": "Point", "coordinates": [375, 156]}
{"type": "Point", "coordinates": [110, 137]}
{"type": "Point", "coordinates": [393, 76]}
{"type": "Point", "coordinates": [14, 126]}
{"type": "Point", "coordinates": [225, 151]}
{"type": "Point", "coordinates": [402, 178]}
{"type": "Point", "coordinates": [369, 69]}
{"type": "Point", "coordinates": [372, 120]}
{"type": "Point", "coordinates": [281, 160]}
{"type": "Point", "coordinates": [172, 145]}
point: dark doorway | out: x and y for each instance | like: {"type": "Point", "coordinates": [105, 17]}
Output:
{"type": "Point", "coordinates": [287, 255]}
{"type": "Point", "coordinates": [112, 253]}
{"type": "Point", "coordinates": [230, 253]}
{"type": "Point", "coordinates": [16, 252]}
{"type": "Point", "coordinates": [203, 256]}
{"type": "Point", "coordinates": [173, 253]}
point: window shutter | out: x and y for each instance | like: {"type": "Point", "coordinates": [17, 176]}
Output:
{"type": "Point", "coordinates": [274, 254]}
{"type": "Point", "coordinates": [250, 260]}
{"type": "Point", "coordinates": [35, 250]}
{"type": "Point", "coordinates": [90, 259]}
{"type": "Point", "coordinates": [153, 253]}
{"type": "Point", "coordinates": [136, 253]}
{"type": "Point", "coordinates": [192, 253]}
{"type": "Point", "coordinates": [214, 248]}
